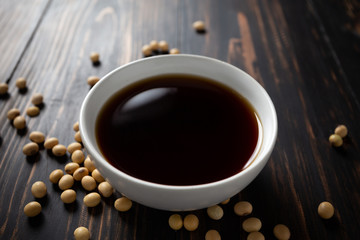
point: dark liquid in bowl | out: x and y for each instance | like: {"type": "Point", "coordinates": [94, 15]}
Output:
{"type": "Point", "coordinates": [177, 130]}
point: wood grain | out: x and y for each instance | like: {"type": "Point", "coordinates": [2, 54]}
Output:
{"type": "Point", "coordinates": [304, 53]}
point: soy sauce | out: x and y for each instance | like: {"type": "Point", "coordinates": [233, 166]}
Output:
{"type": "Point", "coordinates": [177, 130]}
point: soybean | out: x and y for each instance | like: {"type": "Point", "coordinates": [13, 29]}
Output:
{"type": "Point", "coordinates": [20, 83]}
{"type": "Point", "coordinates": [38, 189]}
{"type": "Point", "coordinates": [76, 126]}
{"type": "Point", "coordinates": [50, 143]}
{"type": "Point", "coordinates": [80, 173]}
{"type": "Point", "coordinates": [88, 183]}
{"type": "Point", "coordinates": [175, 222]}
{"type": "Point", "coordinates": [66, 182]}
{"type": "Point", "coordinates": [163, 46]}
{"type": "Point", "coordinates": [92, 199]}
{"type": "Point", "coordinates": [89, 164]}
{"type": "Point", "coordinates": [55, 175]}
{"type": "Point", "coordinates": [212, 235]}
{"type": "Point", "coordinates": [122, 204]}
{"type": "Point", "coordinates": [37, 99]}
{"type": "Point", "coordinates": [95, 57]}
{"type": "Point", "coordinates": [225, 201]}
{"type": "Point", "coordinates": [72, 147]}
{"type": "Point", "coordinates": [92, 80]}
{"type": "Point", "coordinates": [243, 208]}
{"type": "Point", "coordinates": [281, 232]}
{"type": "Point", "coordinates": [341, 130]}
{"type": "Point", "coordinates": [146, 50]}
{"type": "Point", "coordinates": [191, 222]}
{"type": "Point", "coordinates": [97, 176]}
{"type": "Point", "coordinates": [154, 45]}
{"type": "Point", "coordinates": [32, 111]}
{"type": "Point", "coordinates": [78, 156]}
{"type": "Point", "coordinates": [19, 122]}
{"type": "Point", "coordinates": [37, 137]}
{"type": "Point", "coordinates": [68, 196]}
{"type": "Point", "coordinates": [199, 26]}
{"type": "Point", "coordinates": [70, 168]}
{"type": "Point", "coordinates": [30, 149]}
{"type": "Point", "coordinates": [252, 224]}
{"type": "Point", "coordinates": [59, 150]}
{"type": "Point", "coordinates": [326, 210]}
{"type": "Point", "coordinates": [32, 209]}
{"type": "Point", "coordinates": [255, 236]}
{"type": "Point", "coordinates": [335, 140]}
{"type": "Point", "coordinates": [13, 113]}
{"type": "Point", "coordinates": [77, 137]}
{"type": "Point", "coordinates": [174, 51]}
{"type": "Point", "coordinates": [3, 88]}
{"type": "Point", "coordinates": [81, 233]}
{"type": "Point", "coordinates": [215, 212]}
{"type": "Point", "coordinates": [105, 189]}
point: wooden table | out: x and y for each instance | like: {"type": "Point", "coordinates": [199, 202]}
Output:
{"type": "Point", "coordinates": [304, 53]}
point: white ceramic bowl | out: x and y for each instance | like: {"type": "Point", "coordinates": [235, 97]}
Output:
{"type": "Point", "coordinates": [179, 198]}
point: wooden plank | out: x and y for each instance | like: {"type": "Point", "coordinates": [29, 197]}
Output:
{"type": "Point", "coordinates": [18, 23]}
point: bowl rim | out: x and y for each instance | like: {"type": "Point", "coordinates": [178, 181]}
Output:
{"type": "Point", "coordinates": [89, 145]}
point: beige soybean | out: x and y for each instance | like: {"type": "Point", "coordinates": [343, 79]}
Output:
{"type": "Point", "coordinates": [146, 50]}
{"type": "Point", "coordinates": [33, 111]}
{"type": "Point", "coordinates": [3, 88]}
{"type": "Point", "coordinates": [281, 232]}
{"type": "Point", "coordinates": [88, 183]}
{"type": "Point", "coordinates": [78, 156]}
{"type": "Point", "coordinates": [95, 57]}
{"type": "Point", "coordinates": [37, 137]}
{"type": "Point", "coordinates": [19, 122]}
{"type": "Point", "coordinates": [37, 99]}
{"type": "Point", "coordinates": [13, 113]}
{"type": "Point", "coordinates": [341, 130]}
{"type": "Point", "coordinates": [154, 45]}
{"type": "Point", "coordinates": [55, 175]}
{"type": "Point", "coordinates": [175, 222]}
{"type": "Point", "coordinates": [30, 149]}
{"type": "Point", "coordinates": [326, 210]}
{"type": "Point", "coordinates": [72, 147]}
{"type": "Point", "coordinates": [32, 209]}
{"type": "Point", "coordinates": [252, 224]}
{"type": "Point", "coordinates": [77, 137]}
{"type": "Point", "coordinates": [97, 176]}
{"type": "Point", "coordinates": [81, 233]}
{"type": "Point", "coordinates": [215, 212]}
{"type": "Point", "coordinates": [122, 204]}
{"type": "Point", "coordinates": [199, 26]}
{"type": "Point", "coordinates": [255, 236]}
{"type": "Point", "coordinates": [38, 189]}
{"type": "Point", "coordinates": [163, 46]}
{"type": "Point", "coordinates": [191, 222]}
{"type": "Point", "coordinates": [66, 182]}
{"type": "Point", "coordinates": [89, 164]}
{"type": "Point", "coordinates": [68, 196]}
{"type": "Point", "coordinates": [92, 199]}
{"type": "Point", "coordinates": [243, 208]}
{"type": "Point", "coordinates": [59, 150]}
{"type": "Point", "coordinates": [335, 140]}
{"type": "Point", "coordinates": [20, 83]}
{"type": "Point", "coordinates": [80, 173]}
{"type": "Point", "coordinates": [70, 168]}
{"type": "Point", "coordinates": [50, 143]}
{"type": "Point", "coordinates": [92, 80]}
{"type": "Point", "coordinates": [212, 235]}
{"type": "Point", "coordinates": [105, 189]}
{"type": "Point", "coordinates": [76, 126]}
{"type": "Point", "coordinates": [174, 51]}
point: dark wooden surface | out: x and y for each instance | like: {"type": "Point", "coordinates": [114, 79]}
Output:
{"type": "Point", "coordinates": [306, 54]}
